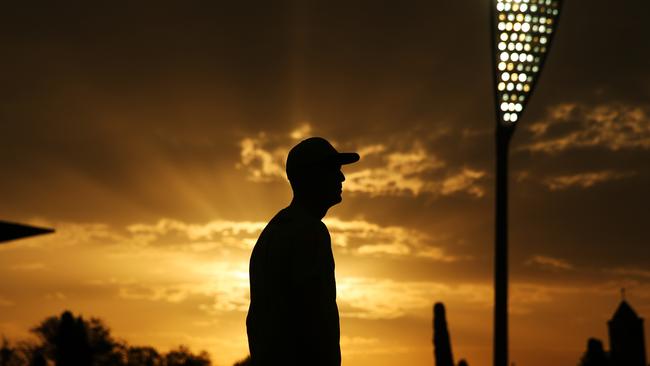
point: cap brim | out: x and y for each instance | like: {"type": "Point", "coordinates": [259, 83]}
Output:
{"type": "Point", "coordinates": [347, 158]}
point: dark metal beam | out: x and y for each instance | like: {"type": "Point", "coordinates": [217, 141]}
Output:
{"type": "Point", "coordinates": [12, 231]}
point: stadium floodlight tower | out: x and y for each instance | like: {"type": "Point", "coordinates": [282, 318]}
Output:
{"type": "Point", "coordinates": [522, 31]}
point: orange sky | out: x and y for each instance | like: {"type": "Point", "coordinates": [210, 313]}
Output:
{"type": "Point", "coordinates": [153, 139]}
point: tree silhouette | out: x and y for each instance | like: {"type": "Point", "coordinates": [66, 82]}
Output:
{"type": "Point", "coordinates": [67, 340]}
{"type": "Point", "coordinates": [6, 353]}
{"type": "Point", "coordinates": [183, 357]}
{"type": "Point", "coordinates": [143, 356]}
{"type": "Point", "coordinates": [20, 354]}
{"type": "Point", "coordinates": [72, 341]}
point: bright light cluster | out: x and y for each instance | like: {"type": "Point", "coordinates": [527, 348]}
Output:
{"type": "Point", "coordinates": [524, 30]}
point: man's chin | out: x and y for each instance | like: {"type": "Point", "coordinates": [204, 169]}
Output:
{"type": "Point", "coordinates": [336, 199]}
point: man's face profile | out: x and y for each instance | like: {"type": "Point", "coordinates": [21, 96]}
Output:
{"type": "Point", "coordinates": [314, 171]}
{"type": "Point", "coordinates": [331, 183]}
{"type": "Point", "coordinates": [323, 183]}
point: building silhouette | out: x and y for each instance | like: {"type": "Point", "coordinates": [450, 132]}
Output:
{"type": "Point", "coordinates": [626, 341]}
{"type": "Point", "coordinates": [441, 341]}
{"type": "Point", "coordinates": [626, 338]}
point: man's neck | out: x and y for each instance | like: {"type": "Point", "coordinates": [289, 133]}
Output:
{"type": "Point", "coordinates": [309, 207]}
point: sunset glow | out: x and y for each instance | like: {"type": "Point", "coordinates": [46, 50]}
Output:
{"type": "Point", "coordinates": [153, 139]}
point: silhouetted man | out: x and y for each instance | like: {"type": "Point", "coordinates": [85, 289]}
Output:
{"type": "Point", "coordinates": [293, 318]}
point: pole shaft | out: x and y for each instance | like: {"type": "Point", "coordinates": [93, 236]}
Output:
{"type": "Point", "coordinates": [500, 351]}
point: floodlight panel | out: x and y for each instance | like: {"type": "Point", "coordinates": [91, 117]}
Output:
{"type": "Point", "coordinates": [522, 36]}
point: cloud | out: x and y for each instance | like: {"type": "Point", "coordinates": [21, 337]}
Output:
{"type": "Point", "coordinates": [169, 233]}
{"type": "Point", "coordinates": [28, 267]}
{"type": "Point", "coordinates": [67, 234]}
{"type": "Point", "coordinates": [394, 168]}
{"type": "Point", "coordinates": [5, 302]}
{"type": "Point", "coordinates": [354, 237]}
{"type": "Point", "coordinates": [526, 296]}
{"type": "Point", "coordinates": [358, 341]}
{"type": "Point", "coordinates": [583, 180]}
{"type": "Point", "coordinates": [574, 126]}
{"type": "Point", "coordinates": [355, 345]}
{"type": "Point", "coordinates": [366, 151]}
{"type": "Point", "coordinates": [634, 272]}
{"type": "Point", "coordinates": [181, 273]}
{"type": "Point", "coordinates": [202, 237]}
{"type": "Point", "coordinates": [213, 286]}
{"type": "Point", "coordinates": [398, 173]}
{"type": "Point", "coordinates": [301, 132]}
{"type": "Point", "coordinates": [55, 296]}
{"type": "Point", "coordinates": [360, 237]}
{"type": "Point", "coordinates": [412, 171]}
{"type": "Point", "coordinates": [260, 164]}
{"type": "Point", "coordinates": [357, 237]}
{"type": "Point", "coordinates": [219, 284]}
{"type": "Point", "coordinates": [546, 262]}
{"type": "Point", "coordinates": [263, 157]}
{"type": "Point", "coordinates": [154, 292]}
{"type": "Point", "coordinates": [463, 181]}
{"type": "Point", "coordinates": [371, 298]}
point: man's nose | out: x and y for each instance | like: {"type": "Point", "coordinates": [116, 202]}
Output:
{"type": "Point", "coordinates": [341, 176]}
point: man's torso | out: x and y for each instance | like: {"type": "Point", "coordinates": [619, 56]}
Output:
{"type": "Point", "coordinates": [293, 316]}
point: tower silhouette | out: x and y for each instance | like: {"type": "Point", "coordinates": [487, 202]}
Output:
{"type": "Point", "coordinates": [442, 354]}
{"type": "Point", "coordinates": [441, 341]}
{"type": "Point", "coordinates": [626, 338]}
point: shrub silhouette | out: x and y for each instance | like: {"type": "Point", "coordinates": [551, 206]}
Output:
{"type": "Point", "coordinates": [595, 354]}
{"type": "Point", "coordinates": [183, 357]}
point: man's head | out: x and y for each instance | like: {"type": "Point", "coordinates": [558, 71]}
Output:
{"type": "Point", "coordinates": [314, 171]}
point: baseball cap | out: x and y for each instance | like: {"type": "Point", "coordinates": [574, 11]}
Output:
{"type": "Point", "coordinates": [314, 151]}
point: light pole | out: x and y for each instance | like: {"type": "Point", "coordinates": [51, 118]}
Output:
{"type": "Point", "coordinates": [522, 31]}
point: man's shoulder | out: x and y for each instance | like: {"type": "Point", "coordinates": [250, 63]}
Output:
{"type": "Point", "coordinates": [291, 223]}
{"type": "Point", "coordinates": [295, 218]}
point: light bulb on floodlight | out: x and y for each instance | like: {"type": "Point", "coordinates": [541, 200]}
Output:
{"type": "Point", "coordinates": [524, 29]}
